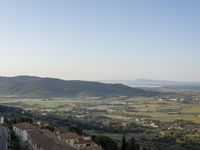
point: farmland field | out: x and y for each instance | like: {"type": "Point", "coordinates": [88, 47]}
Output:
{"type": "Point", "coordinates": [150, 120]}
{"type": "Point", "coordinates": [126, 109]}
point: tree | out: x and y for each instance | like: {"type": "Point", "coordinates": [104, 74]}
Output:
{"type": "Point", "coordinates": [75, 129]}
{"type": "Point", "coordinates": [106, 142]}
{"type": "Point", "coordinates": [49, 127]}
{"type": "Point", "coordinates": [23, 119]}
{"type": "Point", "coordinates": [14, 141]}
{"type": "Point", "coordinates": [123, 145]}
{"type": "Point", "coordinates": [131, 145]}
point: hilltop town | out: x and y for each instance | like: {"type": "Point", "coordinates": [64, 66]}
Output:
{"type": "Point", "coordinates": [35, 138]}
{"type": "Point", "coordinates": [37, 135]}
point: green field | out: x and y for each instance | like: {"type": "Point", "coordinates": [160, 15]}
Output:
{"type": "Point", "coordinates": [122, 110]}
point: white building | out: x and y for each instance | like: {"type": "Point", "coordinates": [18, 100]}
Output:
{"type": "Point", "coordinates": [84, 142]}
{"type": "Point", "coordinates": [70, 138]}
{"type": "Point", "coordinates": [78, 142]}
{"type": "Point", "coordinates": [1, 120]}
{"type": "Point", "coordinates": [21, 130]}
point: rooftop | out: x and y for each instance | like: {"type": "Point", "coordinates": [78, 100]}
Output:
{"type": "Point", "coordinates": [81, 140]}
{"type": "Point", "coordinates": [25, 126]}
{"type": "Point", "coordinates": [61, 130]}
{"type": "Point", "coordinates": [69, 135]}
{"type": "Point", "coordinates": [47, 141]}
{"type": "Point", "coordinates": [91, 148]}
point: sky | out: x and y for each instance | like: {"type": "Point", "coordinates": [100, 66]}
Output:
{"type": "Point", "coordinates": [101, 39]}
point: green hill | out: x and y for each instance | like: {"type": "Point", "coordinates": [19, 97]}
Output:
{"type": "Point", "coordinates": [28, 86]}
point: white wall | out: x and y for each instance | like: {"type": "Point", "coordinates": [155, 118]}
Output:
{"type": "Point", "coordinates": [22, 134]}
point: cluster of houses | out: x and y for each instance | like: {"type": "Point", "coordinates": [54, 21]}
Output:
{"type": "Point", "coordinates": [43, 139]}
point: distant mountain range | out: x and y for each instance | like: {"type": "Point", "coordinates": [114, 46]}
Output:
{"type": "Point", "coordinates": [145, 83]}
{"type": "Point", "coordinates": [29, 86]}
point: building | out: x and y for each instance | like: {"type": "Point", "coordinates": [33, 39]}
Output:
{"type": "Point", "coordinates": [91, 148]}
{"type": "Point", "coordinates": [84, 142]}
{"type": "Point", "coordinates": [45, 140]}
{"type": "Point", "coordinates": [69, 137]}
{"type": "Point", "coordinates": [60, 131]}
{"type": "Point", "coordinates": [2, 119]}
{"type": "Point", "coordinates": [76, 141]}
{"type": "Point", "coordinates": [21, 130]}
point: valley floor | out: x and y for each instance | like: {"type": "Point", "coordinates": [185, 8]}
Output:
{"type": "Point", "coordinates": [151, 120]}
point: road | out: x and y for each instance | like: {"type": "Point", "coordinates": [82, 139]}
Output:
{"type": "Point", "coordinates": [3, 138]}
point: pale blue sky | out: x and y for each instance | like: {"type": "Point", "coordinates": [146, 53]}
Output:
{"type": "Point", "coordinates": [101, 39]}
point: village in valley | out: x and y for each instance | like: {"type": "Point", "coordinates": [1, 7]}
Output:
{"type": "Point", "coordinates": [154, 122]}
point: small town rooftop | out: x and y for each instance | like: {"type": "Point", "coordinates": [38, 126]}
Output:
{"type": "Point", "coordinates": [25, 126]}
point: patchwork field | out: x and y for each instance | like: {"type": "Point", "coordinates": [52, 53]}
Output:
{"type": "Point", "coordinates": [116, 108]}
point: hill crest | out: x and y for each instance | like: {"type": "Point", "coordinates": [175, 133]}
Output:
{"type": "Point", "coordinates": [31, 86]}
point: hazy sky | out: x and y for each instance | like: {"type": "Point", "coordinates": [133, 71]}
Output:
{"type": "Point", "coordinates": [101, 39]}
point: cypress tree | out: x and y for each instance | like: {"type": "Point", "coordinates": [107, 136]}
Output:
{"type": "Point", "coordinates": [123, 145]}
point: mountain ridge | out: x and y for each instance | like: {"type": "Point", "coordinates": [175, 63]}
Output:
{"type": "Point", "coordinates": [32, 86]}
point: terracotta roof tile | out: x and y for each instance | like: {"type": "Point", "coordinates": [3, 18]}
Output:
{"type": "Point", "coordinates": [83, 141]}
{"type": "Point", "coordinates": [46, 141]}
{"type": "Point", "coordinates": [69, 135]}
{"type": "Point", "coordinates": [91, 148]}
{"type": "Point", "coordinates": [61, 130]}
{"type": "Point", "coordinates": [25, 126]}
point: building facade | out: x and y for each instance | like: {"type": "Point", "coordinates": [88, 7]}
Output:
{"type": "Point", "coordinates": [21, 130]}
{"type": "Point", "coordinates": [2, 120]}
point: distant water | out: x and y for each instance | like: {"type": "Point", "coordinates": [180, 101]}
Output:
{"type": "Point", "coordinates": [144, 86]}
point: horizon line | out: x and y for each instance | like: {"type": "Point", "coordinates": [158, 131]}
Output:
{"type": "Point", "coordinates": [100, 80]}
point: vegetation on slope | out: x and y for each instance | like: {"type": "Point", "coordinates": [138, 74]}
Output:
{"type": "Point", "coordinates": [26, 86]}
